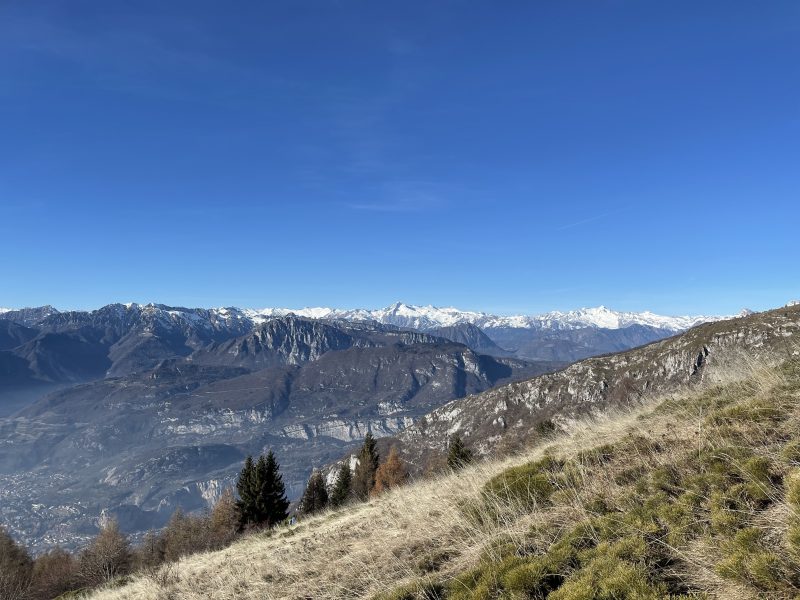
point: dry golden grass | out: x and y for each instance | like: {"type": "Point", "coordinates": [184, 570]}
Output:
{"type": "Point", "coordinates": [367, 549]}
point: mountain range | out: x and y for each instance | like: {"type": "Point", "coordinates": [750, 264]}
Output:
{"type": "Point", "coordinates": [133, 410]}
{"type": "Point", "coordinates": [44, 348]}
{"type": "Point", "coordinates": [430, 317]}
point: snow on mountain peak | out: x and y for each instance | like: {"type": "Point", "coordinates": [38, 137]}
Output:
{"type": "Point", "coordinates": [430, 317]}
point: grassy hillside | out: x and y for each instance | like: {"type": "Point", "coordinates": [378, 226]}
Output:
{"type": "Point", "coordinates": [692, 495]}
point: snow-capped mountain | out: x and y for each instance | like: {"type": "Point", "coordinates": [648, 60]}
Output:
{"type": "Point", "coordinates": [399, 314]}
{"type": "Point", "coordinates": [135, 336]}
{"type": "Point", "coordinates": [430, 317]}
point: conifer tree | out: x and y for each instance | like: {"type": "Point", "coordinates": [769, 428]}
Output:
{"type": "Point", "coordinates": [364, 476]}
{"type": "Point", "coordinates": [273, 492]}
{"type": "Point", "coordinates": [262, 495]}
{"type": "Point", "coordinates": [246, 488]}
{"type": "Point", "coordinates": [341, 489]}
{"type": "Point", "coordinates": [390, 474]}
{"type": "Point", "coordinates": [315, 498]}
{"type": "Point", "coordinates": [458, 455]}
{"type": "Point", "coordinates": [261, 492]}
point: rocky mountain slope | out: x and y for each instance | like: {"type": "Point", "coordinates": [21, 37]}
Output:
{"type": "Point", "coordinates": [513, 415]}
{"type": "Point", "coordinates": [473, 337]}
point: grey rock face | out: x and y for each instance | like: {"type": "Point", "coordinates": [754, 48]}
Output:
{"type": "Point", "coordinates": [509, 415]}
{"type": "Point", "coordinates": [473, 337]}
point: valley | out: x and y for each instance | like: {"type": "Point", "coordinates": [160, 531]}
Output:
{"type": "Point", "coordinates": [132, 411]}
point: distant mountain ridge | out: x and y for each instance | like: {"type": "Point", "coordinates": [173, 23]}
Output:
{"type": "Point", "coordinates": [43, 345]}
{"type": "Point", "coordinates": [431, 317]}
{"type": "Point", "coordinates": [399, 314]}
{"type": "Point", "coordinates": [511, 414]}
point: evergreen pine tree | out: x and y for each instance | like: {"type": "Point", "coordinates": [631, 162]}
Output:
{"type": "Point", "coordinates": [364, 476]}
{"type": "Point", "coordinates": [315, 498]}
{"type": "Point", "coordinates": [261, 492]}
{"type": "Point", "coordinates": [246, 488]}
{"type": "Point", "coordinates": [341, 489]}
{"type": "Point", "coordinates": [274, 492]}
{"type": "Point", "coordinates": [457, 454]}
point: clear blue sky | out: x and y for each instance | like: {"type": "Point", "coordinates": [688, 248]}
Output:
{"type": "Point", "coordinates": [509, 157]}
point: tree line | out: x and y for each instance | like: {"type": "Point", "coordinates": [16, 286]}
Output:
{"type": "Point", "coordinates": [260, 503]}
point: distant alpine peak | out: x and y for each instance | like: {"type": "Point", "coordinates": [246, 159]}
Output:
{"type": "Point", "coordinates": [430, 317]}
{"type": "Point", "coordinates": [399, 314]}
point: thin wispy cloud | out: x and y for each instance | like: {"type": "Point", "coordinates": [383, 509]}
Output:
{"type": "Point", "coordinates": [396, 207]}
{"type": "Point", "coordinates": [401, 197]}
{"type": "Point", "coordinates": [588, 220]}
{"type": "Point", "coordinates": [128, 58]}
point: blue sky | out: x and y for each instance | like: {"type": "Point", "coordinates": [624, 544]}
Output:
{"type": "Point", "coordinates": [508, 157]}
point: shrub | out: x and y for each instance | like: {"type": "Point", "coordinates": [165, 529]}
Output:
{"type": "Point", "coordinates": [458, 455]}
{"type": "Point", "coordinates": [392, 473]}
{"type": "Point", "coordinates": [16, 568]}
{"type": "Point", "coordinates": [223, 522]}
{"type": "Point", "coordinates": [183, 535]}
{"type": "Point", "coordinates": [54, 573]}
{"type": "Point", "coordinates": [107, 557]}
